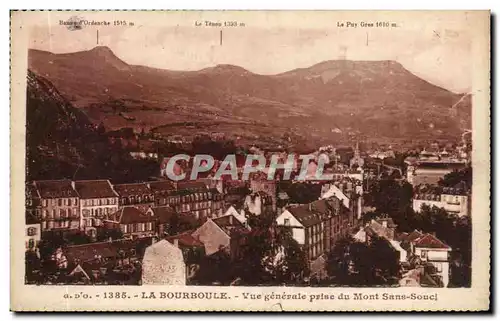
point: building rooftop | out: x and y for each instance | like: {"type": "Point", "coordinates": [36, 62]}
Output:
{"type": "Point", "coordinates": [430, 241]}
{"type": "Point", "coordinates": [185, 239]}
{"type": "Point", "coordinates": [131, 214]}
{"type": "Point", "coordinates": [95, 189]}
{"type": "Point", "coordinates": [125, 190]}
{"type": "Point", "coordinates": [55, 188]}
{"type": "Point", "coordinates": [161, 186]}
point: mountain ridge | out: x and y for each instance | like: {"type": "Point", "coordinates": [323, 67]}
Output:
{"type": "Point", "coordinates": [355, 96]}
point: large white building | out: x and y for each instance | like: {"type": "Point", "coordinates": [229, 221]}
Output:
{"type": "Point", "coordinates": [452, 200]}
{"type": "Point", "coordinates": [98, 200]}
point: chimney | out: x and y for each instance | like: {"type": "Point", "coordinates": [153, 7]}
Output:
{"type": "Point", "coordinates": [384, 223]}
{"type": "Point", "coordinates": [176, 242]}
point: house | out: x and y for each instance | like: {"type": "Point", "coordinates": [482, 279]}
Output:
{"type": "Point", "coordinates": [383, 228]}
{"type": "Point", "coordinates": [240, 215]}
{"type": "Point", "coordinates": [436, 253]}
{"type": "Point", "coordinates": [452, 200]}
{"type": "Point", "coordinates": [169, 222]}
{"type": "Point", "coordinates": [134, 223]}
{"type": "Point", "coordinates": [138, 195]}
{"type": "Point", "coordinates": [57, 203]}
{"type": "Point", "coordinates": [431, 253]}
{"type": "Point", "coordinates": [318, 225]}
{"type": "Point", "coordinates": [190, 197]}
{"type": "Point", "coordinates": [98, 200]}
{"type": "Point", "coordinates": [33, 232]}
{"type": "Point", "coordinates": [349, 190]}
{"type": "Point", "coordinates": [163, 264]}
{"type": "Point", "coordinates": [216, 234]}
{"type": "Point", "coordinates": [102, 262]}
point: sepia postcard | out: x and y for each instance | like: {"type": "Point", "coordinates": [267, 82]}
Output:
{"type": "Point", "coordinates": [250, 161]}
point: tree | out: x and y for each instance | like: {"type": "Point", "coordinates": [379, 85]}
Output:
{"type": "Point", "coordinates": [455, 178]}
{"type": "Point", "coordinates": [354, 263]}
{"type": "Point", "coordinates": [339, 261]}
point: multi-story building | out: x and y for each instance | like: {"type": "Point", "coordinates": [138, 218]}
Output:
{"type": "Point", "coordinates": [56, 204]}
{"type": "Point", "coordinates": [98, 200]}
{"type": "Point", "coordinates": [431, 171]}
{"type": "Point", "coordinates": [189, 198]}
{"type": "Point", "coordinates": [137, 194]}
{"type": "Point", "coordinates": [349, 191]}
{"type": "Point", "coordinates": [431, 253]}
{"type": "Point", "coordinates": [452, 200]}
{"type": "Point", "coordinates": [318, 225]}
{"type": "Point", "coordinates": [134, 223]}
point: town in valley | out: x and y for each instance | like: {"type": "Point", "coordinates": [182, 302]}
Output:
{"type": "Point", "coordinates": [101, 209]}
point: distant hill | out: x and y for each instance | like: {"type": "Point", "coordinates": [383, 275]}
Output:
{"type": "Point", "coordinates": [332, 100]}
{"type": "Point", "coordinates": [61, 142]}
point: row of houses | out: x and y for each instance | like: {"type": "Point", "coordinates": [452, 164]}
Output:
{"type": "Point", "coordinates": [70, 205]}
{"type": "Point", "coordinates": [424, 259]}
{"type": "Point", "coordinates": [170, 259]}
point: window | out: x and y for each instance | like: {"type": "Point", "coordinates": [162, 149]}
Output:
{"type": "Point", "coordinates": [31, 243]}
{"type": "Point", "coordinates": [287, 222]}
{"type": "Point", "coordinates": [439, 267]}
{"type": "Point", "coordinates": [139, 200]}
{"type": "Point", "coordinates": [45, 202]}
{"type": "Point", "coordinates": [75, 213]}
{"type": "Point", "coordinates": [423, 254]}
{"type": "Point", "coordinates": [31, 231]}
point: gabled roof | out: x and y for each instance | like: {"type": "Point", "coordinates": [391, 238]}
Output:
{"type": "Point", "coordinates": [131, 214]}
{"type": "Point", "coordinates": [125, 190]}
{"type": "Point", "coordinates": [304, 216]}
{"type": "Point", "coordinates": [229, 223]}
{"type": "Point", "coordinates": [186, 239]}
{"type": "Point", "coordinates": [430, 241]}
{"type": "Point", "coordinates": [95, 189]}
{"type": "Point", "coordinates": [55, 188]}
{"type": "Point", "coordinates": [413, 236]}
{"type": "Point", "coordinates": [163, 213]}
{"type": "Point", "coordinates": [91, 251]}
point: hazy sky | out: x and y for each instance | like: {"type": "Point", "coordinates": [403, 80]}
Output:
{"type": "Point", "coordinates": [438, 50]}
